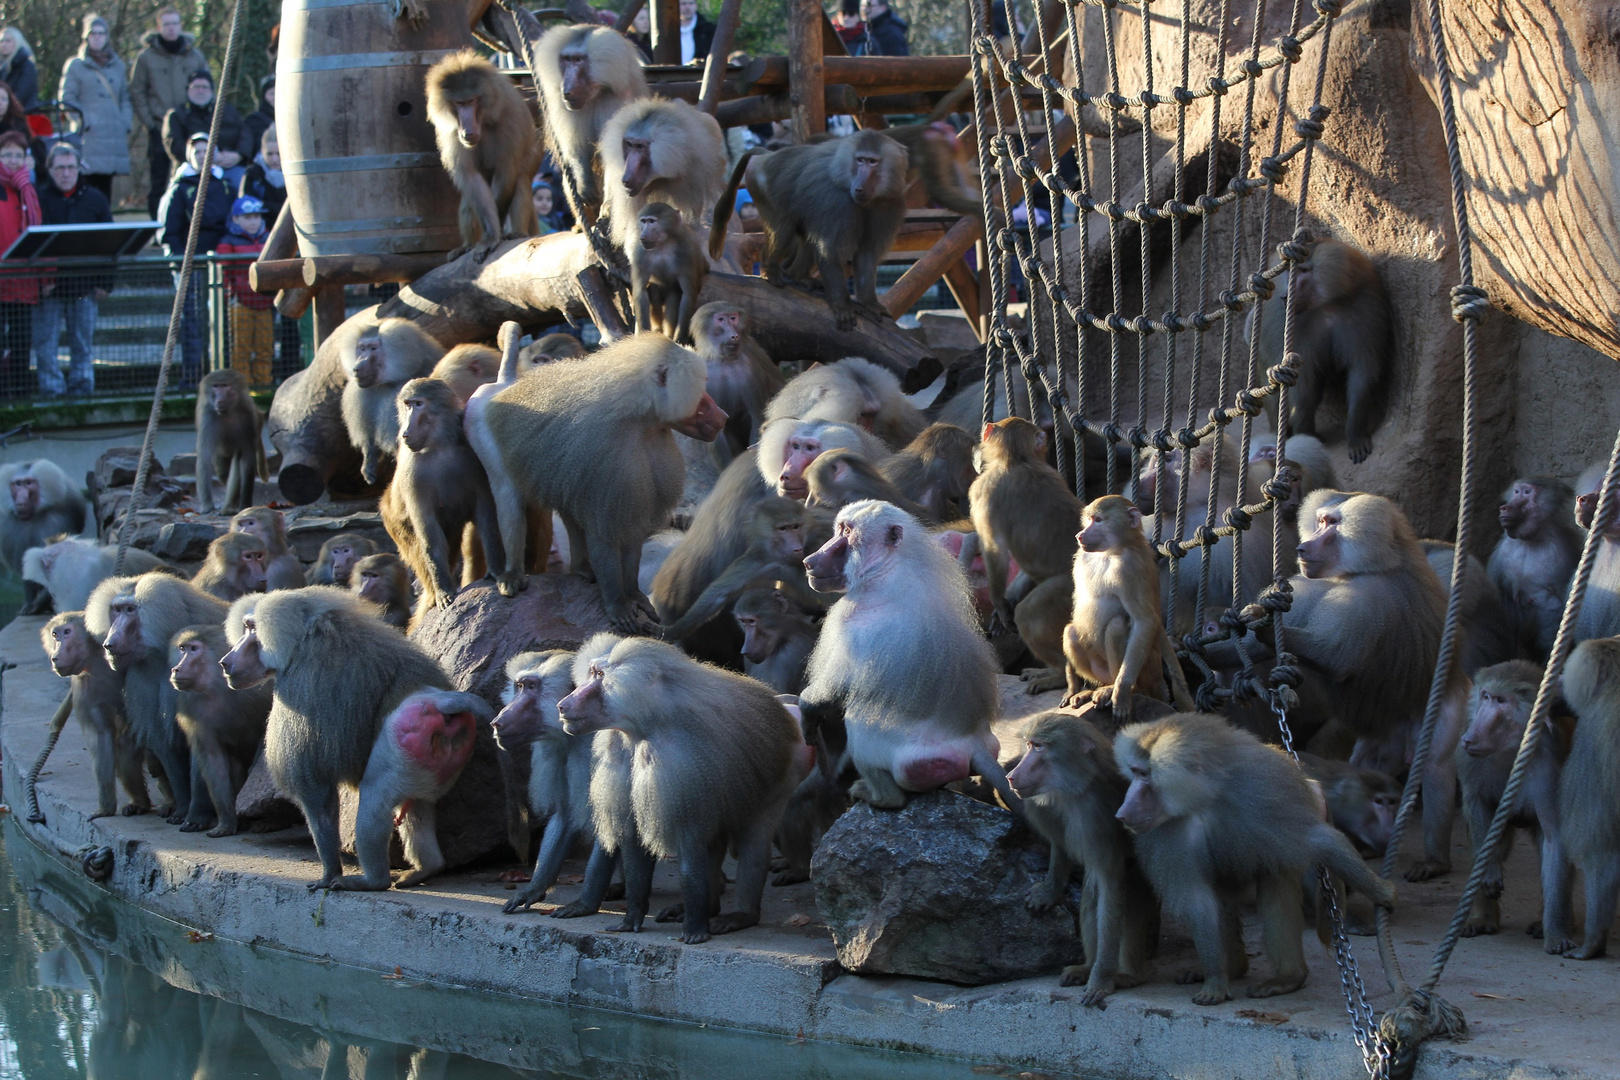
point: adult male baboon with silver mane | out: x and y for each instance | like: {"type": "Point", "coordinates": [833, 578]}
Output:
{"type": "Point", "coordinates": [586, 73]}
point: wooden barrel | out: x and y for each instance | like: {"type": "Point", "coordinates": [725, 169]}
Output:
{"type": "Point", "coordinates": [363, 176]}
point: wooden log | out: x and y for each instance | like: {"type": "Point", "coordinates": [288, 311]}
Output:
{"type": "Point", "coordinates": [329, 312]}
{"type": "Point", "coordinates": [768, 108]}
{"type": "Point", "coordinates": [806, 69]}
{"type": "Point", "coordinates": [964, 286]}
{"type": "Point", "coordinates": [536, 282]}
{"type": "Point", "coordinates": [923, 273]}
{"type": "Point", "coordinates": [366, 269]}
{"type": "Point", "coordinates": [282, 243]}
{"type": "Point", "coordinates": [666, 31]}
{"type": "Point", "coordinates": [272, 275]}
{"type": "Point", "coordinates": [714, 70]}
{"type": "Point", "coordinates": [292, 303]}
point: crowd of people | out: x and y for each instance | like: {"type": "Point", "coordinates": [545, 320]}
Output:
{"type": "Point", "coordinates": [66, 178]}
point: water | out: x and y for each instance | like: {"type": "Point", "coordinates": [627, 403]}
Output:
{"type": "Point", "coordinates": [92, 987]}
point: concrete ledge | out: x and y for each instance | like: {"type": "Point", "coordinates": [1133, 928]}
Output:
{"type": "Point", "coordinates": [1531, 1015]}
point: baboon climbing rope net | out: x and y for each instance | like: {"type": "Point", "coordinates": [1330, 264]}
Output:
{"type": "Point", "coordinates": [1078, 334]}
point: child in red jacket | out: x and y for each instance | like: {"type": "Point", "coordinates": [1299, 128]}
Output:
{"type": "Point", "coordinates": [252, 322]}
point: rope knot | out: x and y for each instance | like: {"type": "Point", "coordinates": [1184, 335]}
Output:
{"type": "Point", "coordinates": [1263, 286]}
{"type": "Point", "coordinates": [1208, 204]}
{"type": "Point", "coordinates": [1310, 128]}
{"type": "Point", "coordinates": [1004, 338]}
{"type": "Point", "coordinates": [1294, 251]}
{"type": "Point", "coordinates": [1238, 518]}
{"type": "Point", "coordinates": [1162, 441]}
{"type": "Point", "coordinates": [1231, 301]}
{"type": "Point", "coordinates": [1290, 48]}
{"type": "Point", "coordinates": [1284, 673]}
{"type": "Point", "coordinates": [1469, 302]}
{"type": "Point", "coordinates": [1253, 68]}
{"type": "Point", "coordinates": [1147, 213]}
{"type": "Point", "coordinates": [1248, 404]}
{"type": "Point", "coordinates": [1206, 535]}
{"type": "Point", "coordinates": [1183, 96]}
{"type": "Point", "coordinates": [1207, 696]}
{"type": "Point", "coordinates": [1233, 622]}
{"type": "Point", "coordinates": [1187, 437]}
{"type": "Point", "coordinates": [1287, 372]}
{"type": "Point", "coordinates": [1217, 86]}
{"type": "Point", "coordinates": [1139, 437]}
{"type": "Point", "coordinates": [1275, 598]}
{"type": "Point", "coordinates": [1279, 487]}
{"type": "Point", "coordinates": [1117, 102]}
{"type": "Point", "coordinates": [1178, 210]}
{"type": "Point", "coordinates": [1116, 323]}
{"type": "Point", "coordinates": [1328, 9]}
{"type": "Point", "coordinates": [1112, 433]}
{"type": "Point", "coordinates": [1143, 325]}
{"type": "Point", "coordinates": [1273, 169]}
{"type": "Point", "coordinates": [1200, 321]}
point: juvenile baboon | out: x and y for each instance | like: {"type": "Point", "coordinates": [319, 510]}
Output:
{"type": "Point", "coordinates": [97, 702]}
{"type": "Point", "coordinates": [335, 564]}
{"type": "Point", "coordinates": [559, 764]}
{"type": "Point", "coordinates": [776, 545]}
{"type": "Point", "coordinates": [787, 446]}
{"type": "Point", "coordinates": [935, 470]}
{"type": "Point", "coordinates": [777, 638]}
{"type": "Point", "coordinates": [1505, 696]}
{"type": "Point", "coordinates": [900, 660]}
{"type": "Point", "coordinates": [1361, 802]}
{"type": "Point", "coordinates": [1071, 788]}
{"type": "Point", "coordinates": [467, 367]}
{"type": "Point", "coordinates": [384, 359]}
{"type": "Point", "coordinates": [1212, 810]}
{"type": "Point", "coordinates": [852, 391]}
{"type": "Point", "coordinates": [932, 153]}
{"type": "Point", "coordinates": [355, 703]}
{"type": "Point", "coordinates": [826, 204]}
{"type": "Point", "coordinates": [655, 150]}
{"type": "Point", "coordinates": [544, 351]}
{"type": "Point", "coordinates": [586, 73]}
{"type": "Point", "coordinates": [1535, 558]}
{"type": "Point", "coordinates": [233, 568]}
{"type": "Point", "coordinates": [439, 488]}
{"type": "Point", "coordinates": [1600, 614]}
{"type": "Point", "coordinates": [61, 575]}
{"type": "Point", "coordinates": [612, 815]}
{"type": "Point", "coordinates": [1588, 812]}
{"type": "Point", "coordinates": [667, 268]}
{"type": "Point", "coordinates": [1309, 464]}
{"type": "Point", "coordinates": [742, 379]}
{"type": "Point", "coordinates": [593, 439]}
{"type": "Point", "coordinates": [487, 144]}
{"type": "Point", "coordinates": [39, 504]}
{"type": "Point", "coordinates": [1115, 642]}
{"type": "Point", "coordinates": [282, 570]}
{"type": "Point", "coordinates": [135, 619]}
{"type": "Point", "coordinates": [1022, 509]}
{"type": "Point", "coordinates": [837, 478]}
{"type": "Point", "coordinates": [716, 758]}
{"type": "Point", "coordinates": [228, 442]}
{"type": "Point", "coordinates": [1344, 328]}
{"type": "Point", "coordinates": [223, 727]}
{"type": "Point", "coordinates": [381, 579]}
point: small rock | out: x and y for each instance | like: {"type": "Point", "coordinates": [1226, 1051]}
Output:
{"type": "Point", "coordinates": [937, 891]}
{"type": "Point", "coordinates": [183, 465]}
{"type": "Point", "coordinates": [259, 802]}
{"type": "Point", "coordinates": [186, 541]}
{"type": "Point", "coordinates": [116, 467]}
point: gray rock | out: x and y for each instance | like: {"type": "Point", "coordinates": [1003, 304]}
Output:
{"type": "Point", "coordinates": [183, 465]}
{"type": "Point", "coordinates": [116, 467]}
{"type": "Point", "coordinates": [186, 541]}
{"type": "Point", "coordinates": [260, 803]}
{"type": "Point", "coordinates": [937, 891]}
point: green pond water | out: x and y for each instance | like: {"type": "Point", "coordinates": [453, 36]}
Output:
{"type": "Point", "coordinates": [93, 987]}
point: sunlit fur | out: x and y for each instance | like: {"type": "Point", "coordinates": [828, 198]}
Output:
{"type": "Point", "coordinates": [688, 162]}
{"type": "Point", "coordinates": [852, 391]}
{"type": "Point", "coordinates": [615, 69]}
{"type": "Point", "coordinates": [369, 412]}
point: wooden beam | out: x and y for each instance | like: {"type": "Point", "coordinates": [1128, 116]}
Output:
{"type": "Point", "coordinates": [282, 243]}
{"type": "Point", "coordinates": [964, 286]}
{"type": "Point", "coordinates": [628, 15]}
{"type": "Point", "coordinates": [292, 303]}
{"type": "Point", "coordinates": [666, 31]}
{"type": "Point", "coordinates": [806, 71]}
{"type": "Point", "coordinates": [766, 108]}
{"type": "Point", "coordinates": [273, 275]}
{"type": "Point", "coordinates": [931, 267]}
{"type": "Point", "coordinates": [714, 71]}
{"type": "Point", "coordinates": [329, 312]}
{"type": "Point", "coordinates": [367, 269]}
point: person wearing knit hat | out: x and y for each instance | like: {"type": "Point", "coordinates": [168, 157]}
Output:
{"type": "Point", "coordinates": [251, 319]}
{"type": "Point", "coordinates": [95, 83]}
{"type": "Point", "coordinates": [233, 147]}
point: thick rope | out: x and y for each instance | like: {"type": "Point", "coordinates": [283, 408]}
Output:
{"type": "Point", "coordinates": [126, 531]}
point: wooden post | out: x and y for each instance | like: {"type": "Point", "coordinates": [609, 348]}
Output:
{"type": "Point", "coordinates": [921, 275]}
{"type": "Point", "coordinates": [964, 286]}
{"type": "Point", "coordinates": [714, 71]}
{"type": "Point", "coordinates": [666, 31]}
{"type": "Point", "coordinates": [806, 70]}
{"type": "Point", "coordinates": [329, 312]}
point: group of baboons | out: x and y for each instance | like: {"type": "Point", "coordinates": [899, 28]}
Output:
{"type": "Point", "coordinates": [831, 622]}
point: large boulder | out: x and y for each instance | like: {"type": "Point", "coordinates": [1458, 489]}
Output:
{"type": "Point", "coordinates": [473, 638]}
{"type": "Point", "coordinates": [937, 890]}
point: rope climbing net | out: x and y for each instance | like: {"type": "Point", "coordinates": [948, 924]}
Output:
{"type": "Point", "coordinates": [1078, 328]}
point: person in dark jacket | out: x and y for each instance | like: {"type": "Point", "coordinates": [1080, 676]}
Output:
{"type": "Point", "coordinates": [176, 212]}
{"type": "Point", "coordinates": [264, 181]}
{"type": "Point", "coordinates": [697, 33]}
{"type": "Point", "coordinates": [886, 29]}
{"type": "Point", "coordinates": [234, 148]}
{"type": "Point", "coordinates": [73, 299]}
{"type": "Point", "coordinates": [260, 119]}
{"type": "Point", "coordinates": [17, 68]}
{"type": "Point", "coordinates": [851, 28]}
{"type": "Point", "coordinates": [157, 83]}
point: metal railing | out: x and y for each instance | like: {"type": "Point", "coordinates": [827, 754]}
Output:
{"type": "Point", "coordinates": [114, 314]}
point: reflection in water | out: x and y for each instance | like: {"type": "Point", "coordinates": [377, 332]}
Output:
{"type": "Point", "coordinates": [80, 998]}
